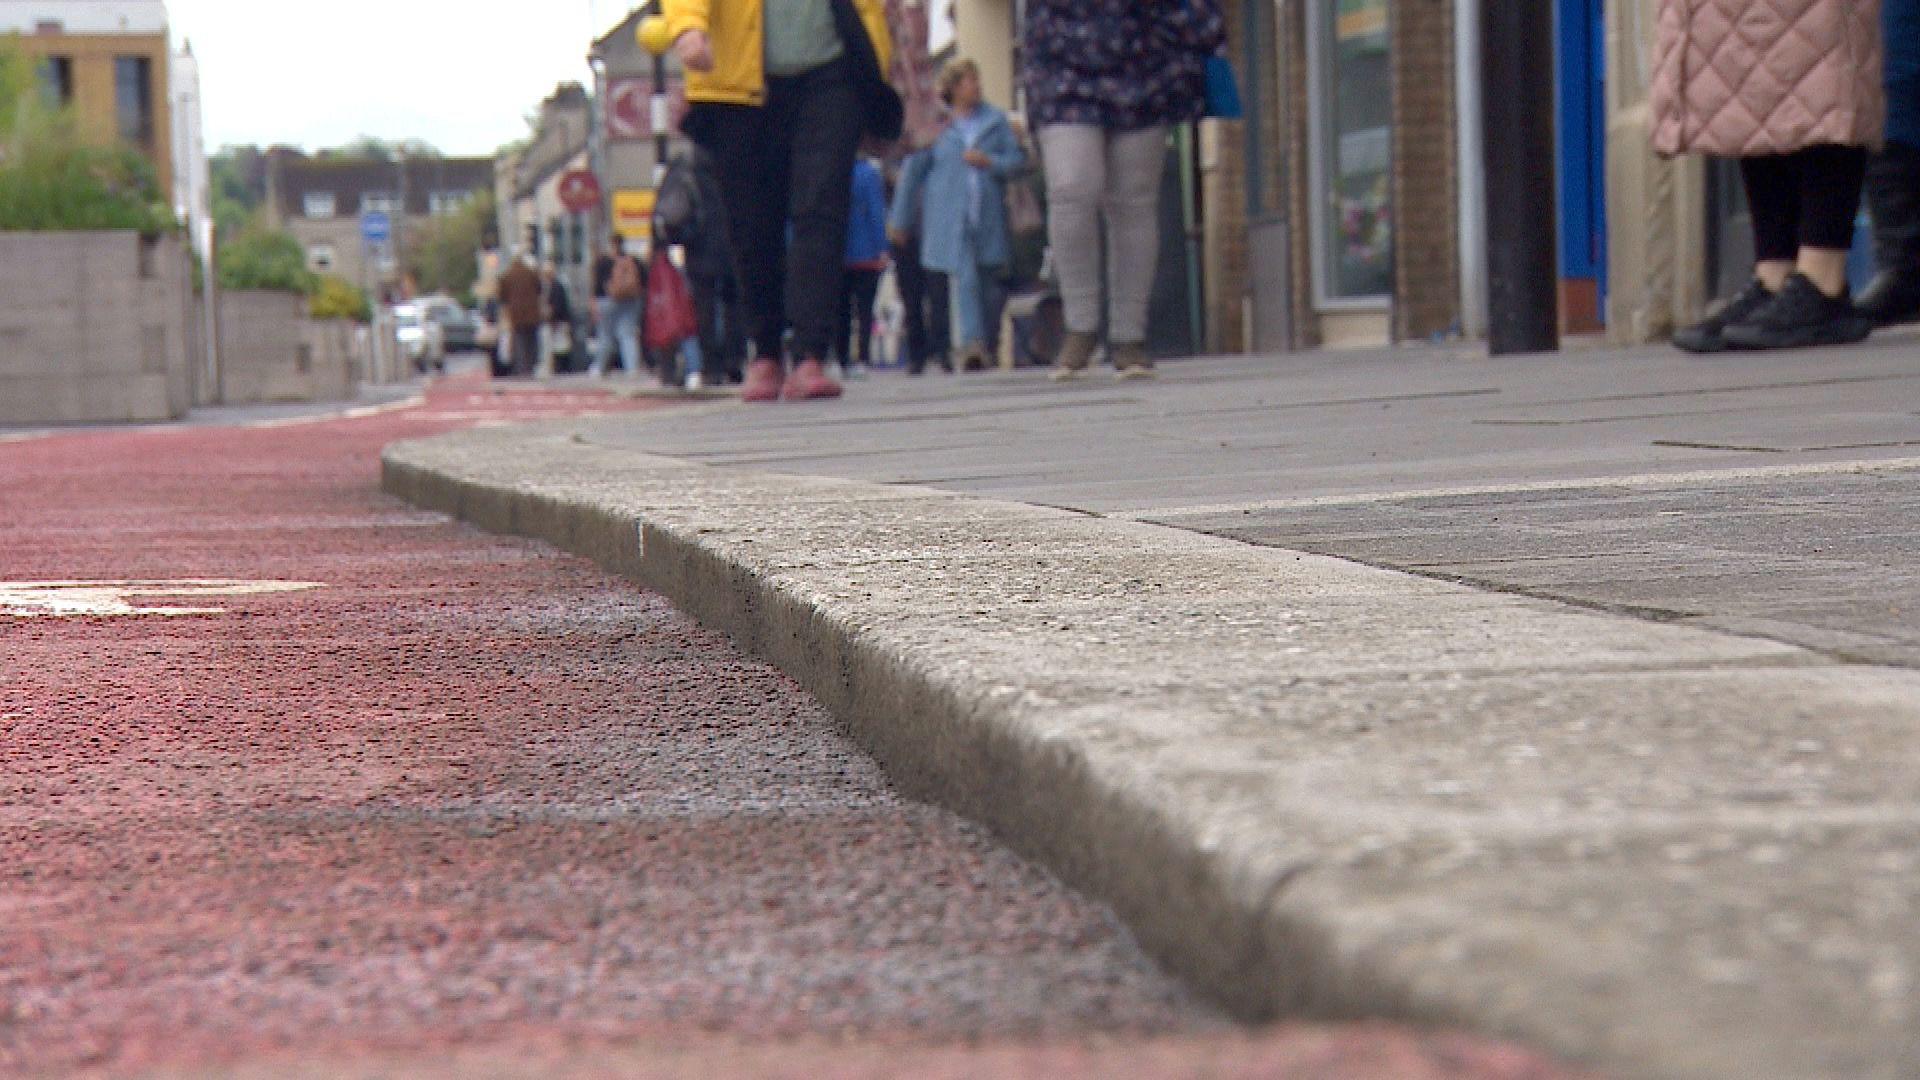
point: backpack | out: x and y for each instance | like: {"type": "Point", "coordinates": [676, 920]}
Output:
{"type": "Point", "coordinates": [624, 282]}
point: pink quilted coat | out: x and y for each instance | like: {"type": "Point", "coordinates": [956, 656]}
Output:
{"type": "Point", "coordinates": [1742, 78]}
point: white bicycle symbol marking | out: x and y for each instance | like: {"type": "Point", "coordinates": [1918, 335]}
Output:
{"type": "Point", "coordinates": [94, 599]}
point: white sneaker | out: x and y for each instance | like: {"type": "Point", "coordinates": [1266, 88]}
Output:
{"type": "Point", "coordinates": [695, 381]}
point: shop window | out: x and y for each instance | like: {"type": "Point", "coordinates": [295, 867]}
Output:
{"type": "Point", "coordinates": [1352, 153]}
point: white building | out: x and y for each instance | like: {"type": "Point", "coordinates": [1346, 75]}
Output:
{"type": "Point", "coordinates": [83, 16]}
{"type": "Point", "coordinates": [193, 183]}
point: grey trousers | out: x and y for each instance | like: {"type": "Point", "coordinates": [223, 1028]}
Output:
{"type": "Point", "coordinates": [1093, 172]}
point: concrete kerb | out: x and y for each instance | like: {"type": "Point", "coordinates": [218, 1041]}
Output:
{"type": "Point", "coordinates": [995, 661]}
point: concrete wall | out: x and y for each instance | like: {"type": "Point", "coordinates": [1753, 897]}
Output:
{"type": "Point", "coordinates": [92, 328]}
{"type": "Point", "coordinates": [271, 352]}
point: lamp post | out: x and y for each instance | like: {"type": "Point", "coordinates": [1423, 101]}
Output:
{"type": "Point", "coordinates": [1522, 227]}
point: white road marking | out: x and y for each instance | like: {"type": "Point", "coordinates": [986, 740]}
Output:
{"type": "Point", "coordinates": [94, 599]}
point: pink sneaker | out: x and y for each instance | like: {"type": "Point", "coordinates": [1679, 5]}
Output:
{"type": "Point", "coordinates": [763, 381]}
{"type": "Point", "coordinates": [810, 382]}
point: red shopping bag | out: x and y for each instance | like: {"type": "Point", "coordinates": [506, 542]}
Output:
{"type": "Point", "coordinates": [670, 315]}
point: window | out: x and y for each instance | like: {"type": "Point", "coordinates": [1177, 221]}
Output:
{"type": "Point", "coordinates": [318, 205]}
{"type": "Point", "coordinates": [320, 258]}
{"type": "Point", "coordinates": [377, 202]}
{"type": "Point", "coordinates": [133, 98]}
{"type": "Point", "coordinates": [1352, 153]}
{"type": "Point", "coordinates": [56, 80]}
{"type": "Point", "coordinates": [442, 203]}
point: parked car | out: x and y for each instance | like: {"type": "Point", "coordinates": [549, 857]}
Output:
{"type": "Point", "coordinates": [421, 338]}
{"type": "Point", "coordinates": [457, 328]}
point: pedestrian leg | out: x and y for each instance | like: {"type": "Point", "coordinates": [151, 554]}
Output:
{"type": "Point", "coordinates": [866, 292]}
{"type": "Point", "coordinates": [1893, 196]}
{"type": "Point", "coordinates": [1136, 161]}
{"type": "Point", "coordinates": [940, 320]}
{"type": "Point", "coordinates": [1076, 162]}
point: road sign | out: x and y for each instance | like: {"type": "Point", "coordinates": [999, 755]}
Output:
{"type": "Point", "coordinates": [580, 191]}
{"type": "Point", "coordinates": [376, 228]}
{"type": "Point", "coordinates": [627, 108]}
{"type": "Point", "coordinates": [633, 213]}
{"type": "Point", "coordinates": [632, 113]}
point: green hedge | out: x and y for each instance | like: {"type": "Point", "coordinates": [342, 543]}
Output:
{"type": "Point", "coordinates": [268, 260]}
{"type": "Point", "coordinates": [337, 298]}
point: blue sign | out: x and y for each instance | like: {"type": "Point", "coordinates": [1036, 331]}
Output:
{"type": "Point", "coordinates": [376, 228]}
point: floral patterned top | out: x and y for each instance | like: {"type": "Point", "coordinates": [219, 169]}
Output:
{"type": "Point", "coordinates": [1120, 64]}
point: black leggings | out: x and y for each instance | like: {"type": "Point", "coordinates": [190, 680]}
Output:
{"type": "Point", "coordinates": [1804, 199]}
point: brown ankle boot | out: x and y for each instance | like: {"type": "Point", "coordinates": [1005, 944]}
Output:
{"type": "Point", "coordinates": [1076, 352]}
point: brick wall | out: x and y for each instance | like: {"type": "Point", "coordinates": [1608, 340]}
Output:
{"type": "Point", "coordinates": [1425, 171]}
{"type": "Point", "coordinates": [92, 328]}
{"type": "Point", "coordinates": [1224, 232]}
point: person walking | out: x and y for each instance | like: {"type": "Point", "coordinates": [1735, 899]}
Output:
{"type": "Point", "coordinates": [866, 261]}
{"type": "Point", "coordinates": [1893, 176]}
{"type": "Point", "coordinates": [1800, 133]}
{"type": "Point", "coordinates": [523, 302]}
{"type": "Point", "coordinates": [556, 348]}
{"type": "Point", "coordinates": [964, 211]}
{"type": "Point", "coordinates": [1105, 81]}
{"type": "Point", "coordinates": [781, 93]}
{"type": "Point", "coordinates": [923, 292]}
{"type": "Point", "coordinates": [620, 286]}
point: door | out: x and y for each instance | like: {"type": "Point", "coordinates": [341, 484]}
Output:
{"type": "Point", "coordinates": [1581, 70]}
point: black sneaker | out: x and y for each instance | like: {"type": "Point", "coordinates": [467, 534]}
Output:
{"type": "Point", "coordinates": [1708, 335]}
{"type": "Point", "coordinates": [1800, 317]}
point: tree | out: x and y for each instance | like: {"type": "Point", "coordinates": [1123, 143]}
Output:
{"type": "Point", "coordinates": [379, 149]}
{"type": "Point", "coordinates": [444, 256]}
{"type": "Point", "coordinates": [238, 176]}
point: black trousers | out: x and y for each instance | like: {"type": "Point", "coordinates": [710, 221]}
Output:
{"type": "Point", "coordinates": [923, 296]}
{"type": "Point", "coordinates": [786, 164]}
{"type": "Point", "coordinates": [723, 346]}
{"type": "Point", "coordinates": [524, 353]}
{"type": "Point", "coordinates": [1804, 199]}
{"type": "Point", "coordinates": [856, 314]}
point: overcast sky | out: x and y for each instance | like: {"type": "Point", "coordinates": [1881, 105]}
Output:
{"type": "Point", "coordinates": [461, 74]}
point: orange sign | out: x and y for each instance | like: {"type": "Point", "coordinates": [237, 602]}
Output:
{"type": "Point", "coordinates": [633, 213]}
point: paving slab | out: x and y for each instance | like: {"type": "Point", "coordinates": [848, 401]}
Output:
{"type": "Point", "coordinates": [1317, 787]}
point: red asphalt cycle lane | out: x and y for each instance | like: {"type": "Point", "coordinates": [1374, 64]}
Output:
{"type": "Point", "coordinates": [469, 807]}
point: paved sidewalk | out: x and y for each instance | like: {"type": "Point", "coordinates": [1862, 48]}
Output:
{"type": "Point", "coordinates": [1772, 495]}
{"type": "Point", "coordinates": [1623, 767]}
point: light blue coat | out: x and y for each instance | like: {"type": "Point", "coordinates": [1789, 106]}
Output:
{"type": "Point", "coordinates": [934, 184]}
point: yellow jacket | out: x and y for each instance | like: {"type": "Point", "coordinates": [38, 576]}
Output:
{"type": "Point", "coordinates": [739, 50]}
